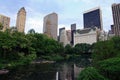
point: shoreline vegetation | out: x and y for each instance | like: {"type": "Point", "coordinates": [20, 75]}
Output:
{"type": "Point", "coordinates": [42, 62]}
{"type": "Point", "coordinates": [21, 49]}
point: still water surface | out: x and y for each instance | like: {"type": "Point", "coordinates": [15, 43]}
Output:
{"type": "Point", "coordinates": [67, 70]}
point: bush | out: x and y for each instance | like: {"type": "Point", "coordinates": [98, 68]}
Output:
{"type": "Point", "coordinates": [110, 68]}
{"type": "Point", "coordinates": [53, 57]}
{"type": "Point", "coordinates": [90, 73]}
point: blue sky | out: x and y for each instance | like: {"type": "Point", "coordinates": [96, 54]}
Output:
{"type": "Point", "coordinates": [69, 11]}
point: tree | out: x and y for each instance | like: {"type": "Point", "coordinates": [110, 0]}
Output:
{"type": "Point", "coordinates": [44, 45]}
{"type": "Point", "coordinates": [12, 44]}
{"type": "Point", "coordinates": [116, 41]}
{"type": "Point", "coordinates": [90, 73]}
{"type": "Point", "coordinates": [103, 50]}
{"type": "Point", "coordinates": [31, 31]}
{"type": "Point", "coordinates": [1, 26]}
{"type": "Point", "coordinates": [106, 57]}
{"type": "Point", "coordinates": [110, 68]}
{"type": "Point", "coordinates": [82, 48]}
{"type": "Point", "coordinates": [106, 49]}
{"type": "Point", "coordinates": [68, 49]}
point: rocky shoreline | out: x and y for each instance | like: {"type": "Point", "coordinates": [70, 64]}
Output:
{"type": "Point", "coordinates": [38, 62]}
{"type": "Point", "coordinates": [4, 71]}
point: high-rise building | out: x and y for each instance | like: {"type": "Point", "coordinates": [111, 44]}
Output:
{"type": "Point", "coordinates": [63, 38]}
{"type": "Point", "coordinates": [21, 19]}
{"type": "Point", "coordinates": [68, 33]}
{"type": "Point", "coordinates": [50, 25]}
{"type": "Point", "coordinates": [5, 21]}
{"type": "Point", "coordinates": [93, 18]}
{"type": "Point", "coordinates": [73, 29]}
{"type": "Point", "coordinates": [116, 18]}
{"type": "Point", "coordinates": [112, 29]}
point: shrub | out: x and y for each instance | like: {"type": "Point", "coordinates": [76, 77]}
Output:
{"type": "Point", "coordinates": [90, 73]}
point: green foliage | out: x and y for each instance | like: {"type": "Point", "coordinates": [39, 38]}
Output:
{"type": "Point", "coordinates": [90, 73]}
{"type": "Point", "coordinates": [106, 49]}
{"type": "Point", "coordinates": [82, 48]}
{"type": "Point", "coordinates": [53, 57]}
{"type": "Point", "coordinates": [116, 41]}
{"type": "Point", "coordinates": [31, 31]}
{"type": "Point", "coordinates": [17, 48]}
{"type": "Point", "coordinates": [68, 49]}
{"type": "Point", "coordinates": [1, 26]}
{"type": "Point", "coordinates": [44, 45]}
{"type": "Point", "coordinates": [106, 58]}
{"type": "Point", "coordinates": [12, 45]}
{"type": "Point", "coordinates": [110, 68]}
{"type": "Point", "coordinates": [103, 50]}
{"type": "Point", "coordinates": [112, 64]}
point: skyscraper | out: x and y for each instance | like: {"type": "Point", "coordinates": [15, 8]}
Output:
{"type": "Point", "coordinates": [116, 18]}
{"type": "Point", "coordinates": [63, 38]}
{"type": "Point", "coordinates": [50, 25]}
{"type": "Point", "coordinates": [112, 29]}
{"type": "Point", "coordinates": [21, 19]}
{"type": "Point", "coordinates": [73, 29]}
{"type": "Point", "coordinates": [93, 18]}
{"type": "Point", "coordinates": [68, 33]}
{"type": "Point", "coordinates": [5, 21]}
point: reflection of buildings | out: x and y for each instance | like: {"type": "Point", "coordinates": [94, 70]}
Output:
{"type": "Point", "coordinates": [116, 18]}
{"type": "Point", "coordinates": [5, 21]}
{"type": "Point", "coordinates": [21, 19]}
{"type": "Point", "coordinates": [77, 71]}
{"type": "Point", "coordinates": [68, 72]}
{"type": "Point", "coordinates": [50, 25]}
{"type": "Point", "coordinates": [88, 35]}
{"type": "Point", "coordinates": [93, 18]}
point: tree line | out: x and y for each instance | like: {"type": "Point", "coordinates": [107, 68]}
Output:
{"type": "Point", "coordinates": [105, 61]}
{"type": "Point", "coordinates": [18, 48]}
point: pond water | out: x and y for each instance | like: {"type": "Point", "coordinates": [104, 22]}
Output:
{"type": "Point", "coordinates": [66, 70]}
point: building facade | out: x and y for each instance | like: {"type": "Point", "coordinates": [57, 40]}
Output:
{"type": "Point", "coordinates": [21, 20]}
{"type": "Point", "coordinates": [50, 25]}
{"type": "Point", "coordinates": [88, 35]}
{"type": "Point", "coordinates": [68, 33]}
{"type": "Point", "coordinates": [112, 29]}
{"type": "Point", "coordinates": [73, 29]}
{"type": "Point", "coordinates": [93, 18]}
{"type": "Point", "coordinates": [63, 38]}
{"type": "Point", "coordinates": [116, 18]}
{"type": "Point", "coordinates": [5, 21]}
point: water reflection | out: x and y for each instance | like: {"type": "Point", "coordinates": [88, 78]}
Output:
{"type": "Point", "coordinates": [48, 71]}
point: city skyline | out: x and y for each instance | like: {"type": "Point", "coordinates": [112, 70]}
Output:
{"type": "Point", "coordinates": [69, 12]}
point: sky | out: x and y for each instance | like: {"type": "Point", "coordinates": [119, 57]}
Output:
{"type": "Point", "coordinates": [69, 12]}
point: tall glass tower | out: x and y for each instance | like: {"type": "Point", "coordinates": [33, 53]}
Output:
{"type": "Point", "coordinates": [93, 18]}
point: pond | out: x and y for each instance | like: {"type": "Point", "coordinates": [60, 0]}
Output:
{"type": "Point", "coordinates": [65, 70]}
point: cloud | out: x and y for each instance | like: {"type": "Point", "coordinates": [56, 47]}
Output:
{"type": "Point", "coordinates": [34, 20]}
{"type": "Point", "coordinates": [45, 6]}
{"type": "Point", "coordinates": [69, 11]}
{"type": "Point", "coordinates": [34, 23]}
